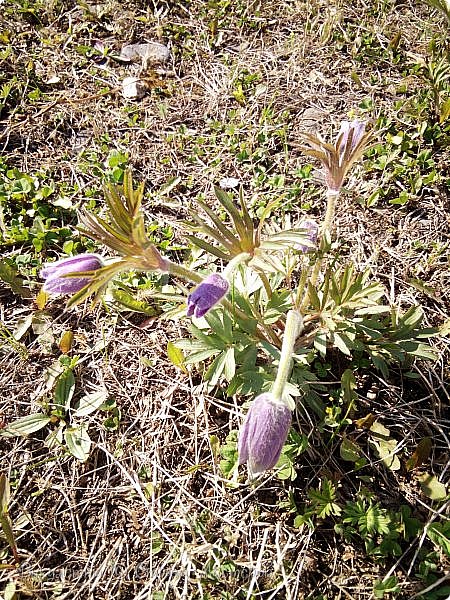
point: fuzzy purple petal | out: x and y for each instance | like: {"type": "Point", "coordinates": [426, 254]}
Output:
{"type": "Point", "coordinates": [263, 433]}
{"type": "Point", "coordinates": [73, 264]}
{"type": "Point", "coordinates": [62, 285]}
{"type": "Point", "coordinates": [53, 273]}
{"type": "Point", "coordinates": [206, 295]}
{"type": "Point", "coordinates": [343, 131]}
{"type": "Point", "coordinates": [243, 441]}
{"type": "Point", "coordinates": [359, 128]}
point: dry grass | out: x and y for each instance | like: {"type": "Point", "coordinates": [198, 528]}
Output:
{"type": "Point", "coordinates": [149, 515]}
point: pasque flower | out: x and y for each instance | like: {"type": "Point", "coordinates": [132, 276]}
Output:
{"type": "Point", "coordinates": [263, 433]}
{"type": "Point", "coordinates": [54, 273]}
{"type": "Point", "coordinates": [267, 422]}
{"type": "Point", "coordinates": [337, 158]}
{"type": "Point", "coordinates": [206, 295]}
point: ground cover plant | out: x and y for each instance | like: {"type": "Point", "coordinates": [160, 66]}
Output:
{"type": "Point", "coordinates": [238, 267]}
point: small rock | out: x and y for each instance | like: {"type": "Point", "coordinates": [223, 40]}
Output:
{"type": "Point", "coordinates": [228, 183]}
{"type": "Point", "coordinates": [53, 79]}
{"type": "Point", "coordinates": [151, 53]}
{"type": "Point", "coordinates": [133, 87]}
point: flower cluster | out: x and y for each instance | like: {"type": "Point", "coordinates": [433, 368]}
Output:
{"type": "Point", "coordinates": [267, 422]}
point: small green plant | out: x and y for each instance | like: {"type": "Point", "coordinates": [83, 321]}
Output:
{"type": "Point", "coordinates": [438, 74]}
{"type": "Point", "coordinates": [65, 418]}
{"type": "Point", "coordinates": [389, 585]}
{"type": "Point", "coordinates": [381, 530]}
{"type": "Point", "coordinates": [30, 209]}
{"type": "Point", "coordinates": [322, 504]}
{"type": "Point", "coordinates": [402, 159]}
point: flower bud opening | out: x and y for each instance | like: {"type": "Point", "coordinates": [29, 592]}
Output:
{"type": "Point", "coordinates": [54, 273]}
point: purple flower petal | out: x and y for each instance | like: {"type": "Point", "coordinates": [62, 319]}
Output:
{"type": "Point", "coordinates": [343, 131]}
{"type": "Point", "coordinates": [206, 295]}
{"type": "Point", "coordinates": [54, 273]}
{"type": "Point", "coordinates": [359, 129]}
{"type": "Point", "coordinates": [263, 433]}
{"type": "Point", "coordinates": [69, 285]}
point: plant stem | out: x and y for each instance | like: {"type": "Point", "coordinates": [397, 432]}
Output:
{"type": "Point", "coordinates": [332, 197]}
{"type": "Point", "coordinates": [301, 287]}
{"type": "Point", "coordinates": [183, 272]}
{"type": "Point", "coordinates": [294, 326]}
{"type": "Point", "coordinates": [266, 283]}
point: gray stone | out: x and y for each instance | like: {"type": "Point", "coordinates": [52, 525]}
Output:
{"type": "Point", "coordinates": [150, 53]}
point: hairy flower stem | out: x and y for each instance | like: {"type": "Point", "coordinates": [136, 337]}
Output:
{"type": "Point", "coordinates": [183, 272]}
{"type": "Point", "coordinates": [332, 197]}
{"type": "Point", "coordinates": [294, 326]}
{"type": "Point", "coordinates": [301, 287]}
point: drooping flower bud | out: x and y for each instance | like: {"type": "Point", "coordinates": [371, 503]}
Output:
{"type": "Point", "coordinates": [263, 433]}
{"type": "Point", "coordinates": [53, 273]}
{"type": "Point", "coordinates": [206, 295]}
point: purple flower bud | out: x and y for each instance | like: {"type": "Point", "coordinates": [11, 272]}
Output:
{"type": "Point", "coordinates": [357, 128]}
{"type": "Point", "coordinates": [53, 273]}
{"type": "Point", "coordinates": [263, 433]}
{"type": "Point", "coordinates": [312, 232]}
{"type": "Point", "coordinates": [337, 159]}
{"type": "Point", "coordinates": [206, 295]}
